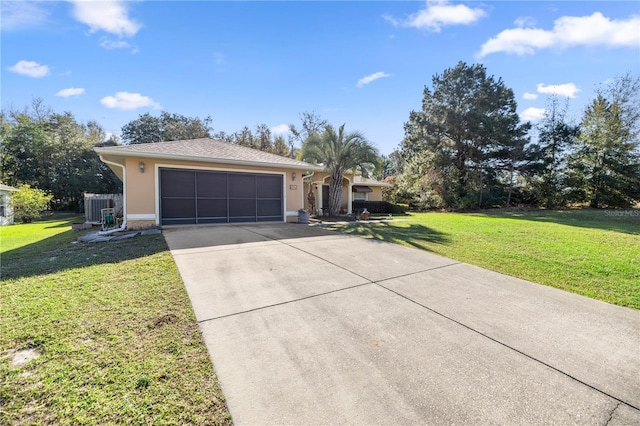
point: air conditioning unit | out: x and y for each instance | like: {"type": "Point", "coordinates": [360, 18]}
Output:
{"type": "Point", "coordinates": [94, 203]}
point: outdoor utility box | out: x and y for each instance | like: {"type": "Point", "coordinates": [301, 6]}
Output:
{"type": "Point", "coordinates": [94, 203]}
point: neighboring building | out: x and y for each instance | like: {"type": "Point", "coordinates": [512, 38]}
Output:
{"type": "Point", "coordinates": [6, 204]}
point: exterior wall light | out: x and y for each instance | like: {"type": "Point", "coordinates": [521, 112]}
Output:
{"type": "Point", "coordinates": [293, 176]}
{"type": "Point", "coordinates": [141, 165]}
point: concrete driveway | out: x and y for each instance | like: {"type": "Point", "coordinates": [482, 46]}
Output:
{"type": "Point", "coordinates": [308, 326]}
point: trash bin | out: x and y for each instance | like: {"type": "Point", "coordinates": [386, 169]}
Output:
{"type": "Point", "coordinates": [303, 216]}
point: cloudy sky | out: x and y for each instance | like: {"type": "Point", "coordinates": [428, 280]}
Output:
{"type": "Point", "coordinates": [355, 62]}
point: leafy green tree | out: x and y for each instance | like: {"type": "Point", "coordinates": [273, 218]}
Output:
{"type": "Point", "coordinates": [280, 146]}
{"type": "Point", "coordinates": [224, 136]}
{"type": "Point", "coordinates": [339, 152]}
{"type": "Point", "coordinates": [466, 120]}
{"type": "Point", "coordinates": [311, 125]}
{"type": "Point", "coordinates": [54, 152]}
{"type": "Point", "coordinates": [167, 127]}
{"type": "Point", "coordinates": [513, 158]}
{"type": "Point", "coordinates": [29, 203]}
{"type": "Point", "coordinates": [245, 138]}
{"type": "Point", "coordinates": [556, 136]}
{"type": "Point", "coordinates": [27, 151]}
{"type": "Point", "coordinates": [263, 136]}
{"type": "Point", "coordinates": [605, 167]}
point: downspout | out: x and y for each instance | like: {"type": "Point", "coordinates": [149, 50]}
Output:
{"type": "Point", "coordinates": [124, 198]}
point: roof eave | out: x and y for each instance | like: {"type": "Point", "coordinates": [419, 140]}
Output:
{"type": "Point", "coordinates": [159, 156]}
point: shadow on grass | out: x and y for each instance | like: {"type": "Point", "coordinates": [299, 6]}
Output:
{"type": "Point", "coordinates": [414, 235]}
{"type": "Point", "coordinates": [67, 218]}
{"type": "Point", "coordinates": [625, 221]}
{"type": "Point", "coordinates": [61, 252]}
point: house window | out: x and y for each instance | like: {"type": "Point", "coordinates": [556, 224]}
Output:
{"type": "Point", "coordinates": [360, 192]}
{"type": "Point", "coordinates": [359, 196]}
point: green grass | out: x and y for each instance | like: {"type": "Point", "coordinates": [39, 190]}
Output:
{"type": "Point", "coordinates": [590, 252]}
{"type": "Point", "coordinates": [112, 324]}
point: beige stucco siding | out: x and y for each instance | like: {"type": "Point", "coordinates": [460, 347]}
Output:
{"type": "Point", "coordinates": [375, 195]}
{"type": "Point", "coordinates": [142, 192]}
{"type": "Point", "coordinates": [140, 187]}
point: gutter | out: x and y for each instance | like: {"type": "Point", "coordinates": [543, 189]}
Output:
{"type": "Point", "coordinates": [124, 197]}
{"type": "Point", "coordinates": [124, 153]}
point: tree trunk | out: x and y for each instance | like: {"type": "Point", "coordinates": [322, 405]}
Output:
{"type": "Point", "coordinates": [335, 194]}
{"type": "Point", "coordinates": [510, 186]}
{"type": "Point", "coordinates": [481, 189]}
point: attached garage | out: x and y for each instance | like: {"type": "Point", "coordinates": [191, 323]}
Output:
{"type": "Point", "coordinates": [205, 181]}
{"type": "Point", "coordinates": [197, 197]}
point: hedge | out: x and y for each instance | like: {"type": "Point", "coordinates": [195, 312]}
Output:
{"type": "Point", "coordinates": [377, 207]}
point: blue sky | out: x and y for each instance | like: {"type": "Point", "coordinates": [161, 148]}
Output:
{"type": "Point", "coordinates": [355, 62]}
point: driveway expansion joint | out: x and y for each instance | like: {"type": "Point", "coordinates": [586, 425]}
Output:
{"type": "Point", "coordinates": [283, 303]}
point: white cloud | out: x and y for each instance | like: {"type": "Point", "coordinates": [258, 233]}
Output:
{"type": "Point", "coordinates": [438, 14]}
{"type": "Point", "coordinates": [532, 114]}
{"type": "Point", "coordinates": [524, 21]}
{"type": "Point", "coordinates": [21, 14]}
{"type": "Point", "coordinates": [114, 44]}
{"type": "Point", "coordinates": [530, 96]}
{"type": "Point", "coordinates": [30, 69]}
{"type": "Point", "coordinates": [568, 31]}
{"type": "Point", "coordinates": [569, 89]}
{"type": "Point", "coordinates": [280, 129]}
{"type": "Point", "coordinates": [106, 15]}
{"type": "Point", "coordinates": [71, 91]}
{"type": "Point", "coordinates": [126, 100]}
{"type": "Point", "coordinates": [371, 78]}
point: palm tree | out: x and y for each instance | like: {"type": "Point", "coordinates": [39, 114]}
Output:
{"type": "Point", "coordinates": [339, 152]}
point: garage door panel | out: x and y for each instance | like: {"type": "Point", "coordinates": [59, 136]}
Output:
{"type": "Point", "coordinates": [212, 184]}
{"type": "Point", "coordinates": [208, 208]}
{"type": "Point", "coordinates": [242, 186]}
{"type": "Point", "coordinates": [178, 208]}
{"type": "Point", "coordinates": [188, 221]}
{"type": "Point", "coordinates": [272, 208]}
{"type": "Point", "coordinates": [246, 208]}
{"type": "Point", "coordinates": [208, 220]}
{"type": "Point", "coordinates": [177, 183]}
{"type": "Point", "coordinates": [269, 187]}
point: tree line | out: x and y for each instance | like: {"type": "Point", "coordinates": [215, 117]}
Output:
{"type": "Point", "coordinates": [466, 148]}
{"type": "Point", "coordinates": [53, 152]}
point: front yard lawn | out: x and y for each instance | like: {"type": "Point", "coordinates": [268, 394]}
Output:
{"type": "Point", "coordinates": [112, 327]}
{"type": "Point", "coordinates": [595, 253]}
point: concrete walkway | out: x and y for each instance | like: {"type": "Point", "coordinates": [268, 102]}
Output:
{"type": "Point", "coordinates": [307, 326]}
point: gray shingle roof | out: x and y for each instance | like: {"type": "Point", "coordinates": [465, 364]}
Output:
{"type": "Point", "coordinates": [208, 150]}
{"type": "Point", "coordinates": [362, 181]}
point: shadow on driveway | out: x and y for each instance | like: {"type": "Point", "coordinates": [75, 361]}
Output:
{"type": "Point", "coordinates": [194, 237]}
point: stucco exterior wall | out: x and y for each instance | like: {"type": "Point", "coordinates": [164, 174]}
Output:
{"type": "Point", "coordinates": [376, 195]}
{"type": "Point", "coordinates": [142, 192]}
